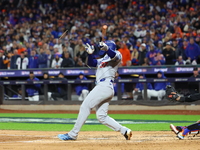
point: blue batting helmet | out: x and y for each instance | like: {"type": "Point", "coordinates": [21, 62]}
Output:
{"type": "Point", "coordinates": [111, 45]}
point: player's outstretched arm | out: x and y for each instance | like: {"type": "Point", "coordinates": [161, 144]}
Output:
{"type": "Point", "coordinates": [172, 95]}
{"type": "Point", "coordinates": [105, 48]}
{"type": "Point", "coordinates": [91, 61]}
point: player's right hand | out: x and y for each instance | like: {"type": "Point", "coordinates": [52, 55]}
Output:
{"type": "Point", "coordinates": [103, 46]}
{"type": "Point", "coordinates": [89, 49]}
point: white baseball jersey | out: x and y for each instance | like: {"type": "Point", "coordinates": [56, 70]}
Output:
{"type": "Point", "coordinates": [100, 96]}
{"type": "Point", "coordinates": [107, 67]}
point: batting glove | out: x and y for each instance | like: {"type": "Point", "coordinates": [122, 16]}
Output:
{"type": "Point", "coordinates": [103, 46]}
{"type": "Point", "coordinates": [89, 49]}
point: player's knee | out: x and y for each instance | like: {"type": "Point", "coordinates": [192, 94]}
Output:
{"type": "Point", "coordinates": [101, 118]}
{"type": "Point", "coordinates": [85, 92]}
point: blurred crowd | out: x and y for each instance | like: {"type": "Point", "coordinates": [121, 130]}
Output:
{"type": "Point", "coordinates": [146, 32]}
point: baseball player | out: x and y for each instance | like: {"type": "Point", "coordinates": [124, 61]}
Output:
{"type": "Point", "coordinates": [102, 93]}
{"type": "Point", "coordinates": [182, 131]}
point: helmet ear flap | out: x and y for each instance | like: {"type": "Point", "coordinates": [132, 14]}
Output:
{"type": "Point", "coordinates": [111, 45]}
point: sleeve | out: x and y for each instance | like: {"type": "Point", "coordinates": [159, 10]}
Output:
{"type": "Point", "coordinates": [111, 53]}
{"type": "Point", "coordinates": [122, 88]}
{"type": "Point", "coordinates": [91, 61]}
{"type": "Point", "coordinates": [37, 85]}
{"type": "Point", "coordinates": [137, 86]}
{"type": "Point", "coordinates": [149, 86]}
{"type": "Point", "coordinates": [53, 64]}
{"type": "Point", "coordinates": [162, 61]}
{"type": "Point", "coordinates": [27, 62]}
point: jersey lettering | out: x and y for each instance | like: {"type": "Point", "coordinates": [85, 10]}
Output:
{"type": "Point", "coordinates": [103, 64]}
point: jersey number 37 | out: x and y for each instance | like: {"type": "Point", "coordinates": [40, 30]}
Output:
{"type": "Point", "coordinates": [103, 64]}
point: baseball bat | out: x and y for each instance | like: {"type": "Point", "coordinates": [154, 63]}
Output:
{"type": "Point", "coordinates": [63, 34]}
{"type": "Point", "coordinates": [104, 29]}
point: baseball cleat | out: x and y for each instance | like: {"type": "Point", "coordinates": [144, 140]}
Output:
{"type": "Point", "coordinates": [65, 137]}
{"type": "Point", "coordinates": [173, 128]}
{"type": "Point", "coordinates": [180, 136]}
{"type": "Point", "coordinates": [128, 134]}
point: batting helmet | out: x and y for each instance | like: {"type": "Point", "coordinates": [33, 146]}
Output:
{"type": "Point", "coordinates": [111, 45]}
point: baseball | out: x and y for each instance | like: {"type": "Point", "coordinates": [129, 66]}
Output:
{"type": "Point", "coordinates": [105, 26]}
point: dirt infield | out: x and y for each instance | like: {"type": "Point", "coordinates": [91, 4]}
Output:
{"type": "Point", "coordinates": [98, 140]}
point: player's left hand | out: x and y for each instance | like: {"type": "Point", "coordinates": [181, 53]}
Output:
{"type": "Point", "coordinates": [103, 46]}
{"type": "Point", "coordinates": [89, 49]}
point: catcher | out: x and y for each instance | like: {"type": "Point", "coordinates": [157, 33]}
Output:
{"type": "Point", "coordinates": [182, 131]}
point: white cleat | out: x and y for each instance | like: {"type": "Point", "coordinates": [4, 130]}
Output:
{"type": "Point", "coordinates": [173, 128]}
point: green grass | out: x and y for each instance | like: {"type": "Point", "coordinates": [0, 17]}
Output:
{"type": "Point", "coordinates": [115, 116]}
{"type": "Point", "coordinates": [86, 127]}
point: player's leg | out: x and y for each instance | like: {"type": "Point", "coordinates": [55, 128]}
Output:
{"type": "Point", "coordinates": [49, 96]}
{"type": "Point", "coordinates": [161, 94]}
{"type": "Point", "coordinates": [102, 116]}
{"type": "Point", "coordinates": [30, 98]}
{"type": "Point", "coordinates": [84, 93]}
{"type": "Point", "coordinates": [35, 98]}
{"type": "Point", "coordinates": [176, 129]}
{"type": "Point", "coordinates": [192, 97]}
{"type": "Point", "coordinates": [94, 98]}
{"type": "Point", "coordinates": [149, 94]}
{"type": "Point", "coordinates": [135, 95]}
{"type": "Point", "coordinates": [193, 128]}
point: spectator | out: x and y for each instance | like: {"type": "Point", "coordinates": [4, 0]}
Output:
{"type": "Point", "coordinates": [57, 61]}
{"type": "Point", "coordinates": [180, 61]}
{"type": "Point", "coordinates": [18, 94]}
{"type": "Point", "coordinates": [134, 56]}
{"type": "Point", "coordinates": [7, 60]}
{"type": "Point", "coordinates": [159, 87]}
{"type": "Point", "coordinates": [22, 61]}
{"type": "Point", "coordinates": [159, 59]}
{"type": "Point", "coordinates": [194, 86]}
{"type": "Point", "coordinates": [61, 90]}
{"type": "Point", "coordinates": [20, 48]}
{"type": "Point", "coordinates": [81, 89]}
{"type": "Point", "coordinates": [67, 61]}
{"type": "Point", "coordinates": [192, 51]}
{"type": "Point", "coordinates": [151, 54]}
{"type": "Point", "coordinates": [139, 89]}
{"type": "Point", "coordinates": [58, 45]}
{"type": "Point", "coordinates": [50, 86]}
{"type": "Point", "coordinates": [176, 48]}
{"type": "Point", "coordinates": [81, 57]}
{"type": "Point", "coordinates": [168, 54]}
{"type": "Point", "coordinates": [146, 62]}
{"type": "Point", "coordinates": [79, 46]}
{"type": "Point", "coordinates": [42, 59]}
{"type": "Point", "coordinates": [160, 46]}
{"type": "Point", "coordinates": [21, 33]}
{"type": "Point", "coordinates": [126, 55]}
{"type": "Point", "coordinates": [142, 54]}
{"type": "Point", "coordinates": [2, 57]}
{"type": "Point", "coordinates": [14, 60]}
{"type": "Point", "coordinates": [65, 49]}
{"type": "Point", "coordinates": [69, 49]}
{"type": "Point", "coordinates": [50, 57]}
{"type": "Point", "coordinates": [33, 89]}
{"type": "Point", "coordinates": [183, 49]}
{"type": "Point", "coordinates": [33, 60]}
